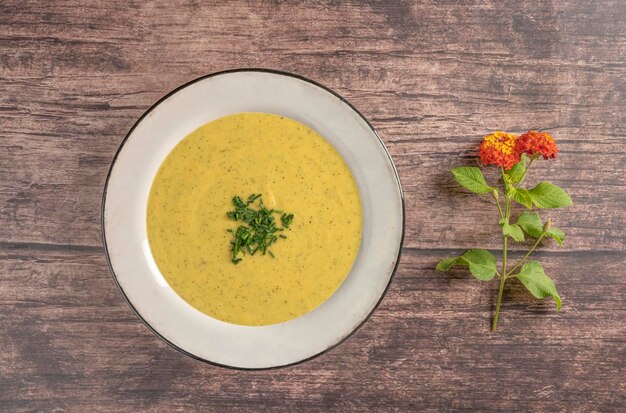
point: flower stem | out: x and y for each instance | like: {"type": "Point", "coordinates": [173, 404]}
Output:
{"type": "Point", "coordinates": [527, 167]}
{"type": "Point", "coordinates": [494, 324]}
{"type": "Point", "coordinates": [500, 209]}
{"type": "Point", "coordinates": [520, 262]}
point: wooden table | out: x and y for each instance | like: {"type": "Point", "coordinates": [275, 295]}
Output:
{"type": "Point", "coordinates": [433, 78]}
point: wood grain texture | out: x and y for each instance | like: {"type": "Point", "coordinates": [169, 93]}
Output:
{"type": "Point", "coordinates": [433, 78]}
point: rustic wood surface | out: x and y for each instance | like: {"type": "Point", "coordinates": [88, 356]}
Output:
{"type": "Point", "coordinates": [433, 78]}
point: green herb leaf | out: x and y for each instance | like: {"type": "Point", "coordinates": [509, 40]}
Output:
{"type": "Point", "coordinates": [259, 231]}
{"type": "Point", "coordinates": [514, 231]}
{"type": "Point", "coordinates": [471, 178]}
{"type": "Point", "coordinates": [557, 234]}
{"type": "Point", "coordinates": [522, 197]}
{"type": "Point", "coordinates": [447, 263]}
{"type": "Point", "coordinates": [548, 195]}
{"type": "Point", "coordinates": [530, 223]}
{"type": "Point", "coordinates": [286, 219]}
{"type": "Point", "coordinates": [517, 171]}
{"type": "Point", "coordinates": [238, 202]}
{"type": "Point", "coordinates": [537, 282]}
{"type": "Point", "coordinates": [482, 264]}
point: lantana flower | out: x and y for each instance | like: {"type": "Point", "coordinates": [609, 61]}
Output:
{"type": "Point", "coordinates": [536, 143]}
{"type": "Point", "coordinates": [514, 155]}
{"type": "Point", "coordinates": [500, 149]}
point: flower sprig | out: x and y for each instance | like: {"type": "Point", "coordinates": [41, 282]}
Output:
{"type": "Point", "coordinates": [514, 155]}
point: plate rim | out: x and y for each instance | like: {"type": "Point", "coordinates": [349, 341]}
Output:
{"type": "Point", "coordinates": [274, 72]}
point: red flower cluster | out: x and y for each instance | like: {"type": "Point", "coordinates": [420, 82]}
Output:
{"type": "Point", "coordinates": [537, 143]}
{"type": "Point", "coordinates": [506, 149]}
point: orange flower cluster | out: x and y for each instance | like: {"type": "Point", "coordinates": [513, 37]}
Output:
{"type": "Point", "coordinates": [537, 143]}
{"type": "Point", "coordinates": [506, 149]}
{"type": "Point", "coordinates": [499, 149]}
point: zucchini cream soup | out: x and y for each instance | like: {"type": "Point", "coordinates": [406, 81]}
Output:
{"type": "Point", "coordinates": [254, 219]}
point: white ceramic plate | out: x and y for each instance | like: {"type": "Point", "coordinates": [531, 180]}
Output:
{"type": "Point", "coordinates": [124, 218]}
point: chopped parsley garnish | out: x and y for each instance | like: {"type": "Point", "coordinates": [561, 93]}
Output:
{"type": "Point", "coordinates": [259, 231]}
{"type": "Point", "coordinates": [286, 219]}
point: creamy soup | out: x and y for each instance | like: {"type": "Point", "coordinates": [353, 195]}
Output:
{"type": "Point", "coordinates": [294, 169]}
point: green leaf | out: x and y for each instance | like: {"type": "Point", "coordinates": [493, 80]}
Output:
{"type": "Point", "coordinates": [548, 195]}
{"type": "Point", "coordinates": [522, 196]}
{"type": "Point", "coordinates": [482, 264]}
{"type": "Point", "coordinates": [537, 282]}
{"type": "Point", "coordinates": [557, 234]}
{"type": "Point", "coordinates": [447, 263]}
{"type": "Point", "coordinates": [514, 231]}
{"type": "Point", "coordinates": [530, 223]}
{"type": "Point", "coordinates": [471, 178]}
{"type": "Point", "coordinates": [516, 173]}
